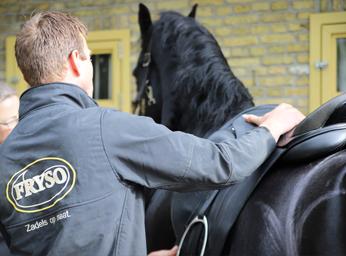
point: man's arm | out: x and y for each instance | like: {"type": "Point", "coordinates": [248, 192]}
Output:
{"type": "Point", "coordinates": [149, 154]}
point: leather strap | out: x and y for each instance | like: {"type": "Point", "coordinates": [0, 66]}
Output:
{"type": "Point", "coordinates": [143, 76]}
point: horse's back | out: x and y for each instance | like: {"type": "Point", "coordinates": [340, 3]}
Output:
{"type": "Point", "coordinates": [297, 210]}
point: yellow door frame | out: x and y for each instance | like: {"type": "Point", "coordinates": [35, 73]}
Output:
{"type": "Point", "coordinates": [325, 28]}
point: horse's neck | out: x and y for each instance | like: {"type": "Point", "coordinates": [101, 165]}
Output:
{"type": "Point", "coordinates": [208, 109]}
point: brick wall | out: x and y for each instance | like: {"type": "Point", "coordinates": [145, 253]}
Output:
{"type": "Point", "coordinates": [266, 42]}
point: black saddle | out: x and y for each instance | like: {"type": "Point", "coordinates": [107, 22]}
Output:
{"type": "Point", "coordinates": [321, 133]}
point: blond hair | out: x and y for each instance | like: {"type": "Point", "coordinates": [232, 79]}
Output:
{"type": "Point", "coordinates": [44, 44]}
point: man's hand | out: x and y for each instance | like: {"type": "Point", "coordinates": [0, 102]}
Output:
{"type": "Point", "coordinates": [171, 252]}
{"type": "Point", "coordinates": [278, 121]}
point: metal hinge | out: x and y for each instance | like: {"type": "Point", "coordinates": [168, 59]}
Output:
{"type": "Point", "coordinates": [321, 64]}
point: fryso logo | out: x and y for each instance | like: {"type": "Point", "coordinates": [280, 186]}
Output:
{"type": "Point", "coordinates": [41, 184]}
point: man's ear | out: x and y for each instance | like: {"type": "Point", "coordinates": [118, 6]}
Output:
{"type": "Point", "coordinates": [73, 61]}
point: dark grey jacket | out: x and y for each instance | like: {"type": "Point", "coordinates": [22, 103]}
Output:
{"type": "Point", "coordinates": [73, 174]}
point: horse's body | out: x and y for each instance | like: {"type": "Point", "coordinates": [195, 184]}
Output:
{"type": "Point", "coordinates": [297, 209]}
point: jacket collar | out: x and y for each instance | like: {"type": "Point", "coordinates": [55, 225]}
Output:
{"type": "Point", "coordinates": [54, 93]}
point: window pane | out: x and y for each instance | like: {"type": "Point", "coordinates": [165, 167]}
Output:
{"type": "Point", "coordinates": [341, 64]}
{"type": "Point", "coordinates": [102, 76]}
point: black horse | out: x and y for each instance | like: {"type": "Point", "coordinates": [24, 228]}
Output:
{"type": "Point", "coordinates": [185, 83]}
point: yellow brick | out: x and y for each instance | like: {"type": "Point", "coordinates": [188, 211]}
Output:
{"type": "Point", "coordinates": [297, 48]}
{"type": "Point", "coordinates": [276, 70]}
{"type": "Point", "coordinates": [4, 2]}
{"type": "Point", "coordinates": [295, 27]}
{"type": "Point", "coordinates": [211, 22]}
{"type": "Point", "coordinates": [274, 81]}
{"type": "Point", "coordinates": [260, 6]}
{"type": "Point", "coordinates": [279, 27]}
{"type": "Point", "coordinates": [241, 19]}
{"type": "Point", "coordinates": [297, 91]}
{"type": "Point", "coordinates": [210, 2]}
{"type": "Point", "coordinates": [304, 37]}
{"type": "Point", "coordinates": [274, 92]}
{"type": "Point", "coordinates": [222, 11]}
{"type": "Point", "coordinates": [40, 6]}
{"type": "Point", "coordinates": [93, 2]}
{"type": "Point", "coordinates": [279, 5]}
{"type": "Point", "coordinates": [240, 1]}
{"type": "Point", "coordinates": [324, 5]}
{"type": "Point", "coordinates": [204, 12]}
{"type": "Point", "coordinates": [273, 17]}
{"type": "Point", "coordinates": [94, 24]}
{"type": "Point", "coordinates": [257, 51]}
{"type": "Point", "coordinates": [116, 10]}
{"type": "Point", "coordinates": [173, 5]}
{"type": "Point", "coordinates": [302, 81]}
{"type": "Point", "coordinates": [119, 21]}
{"type": "Point", "coordinates": [277, 38]}
{"type": "Point", "coordinates": [241, 30]}
{"type": "Point", "coordinates": [303, 58]}
{"type": "Point", "coordinates": [243, 62]}
{"type": "Point", "coordinates": [301, 104]}
{"type": "Point", "coordinates": [278, 49]}
{"type": "Point", "coordinates": [277, 59]}
{"type": "Point", "coordinates": [275, 100]}
{"type": "Point", "coordinates": [239, 71]}
{"type": "Point", "coordinates": [257, 92]}
{"type": "Point", "coordinates": [86, 12]}
{"type": "Point", "coordinates": [241, 8]}
{"type": "Point", "coordinates": [246, 40]}
{"type": "Point", "coordinates": [133, 19]}
{"type": "Point", "coordinates": [260, 29]}
{"type": "Point", "coordinates": [260, 71]}
{"type": "Point", "coordinates": [304, 15]}
{"type": "Point", "coordinates": [339, 5]}
{"type": "Point", "coordinates": [248, 82]}
{"type": "Point", "coordinates": [222, 31]}
{"type": "Point", "coordinates": [226, 51]}
{"type": "Point", "coordinates": [303, 4]}
{"type": "Point", "coordinates": [57, 6]}
{"type": "Point", "coordinates": [239, 52]}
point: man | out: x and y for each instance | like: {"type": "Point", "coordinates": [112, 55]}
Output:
{"type": "Point", "coordinates": [72, 173]}
{"type": "Point", "coordinates": [9, 105]}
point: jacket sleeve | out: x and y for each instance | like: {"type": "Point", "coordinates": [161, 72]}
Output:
{"type": "Point", "coordinates": [143, 152]}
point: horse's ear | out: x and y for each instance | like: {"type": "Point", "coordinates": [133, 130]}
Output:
{"type": "Point", "coordinates": [192, 14]}
{"type": "Point", "coordinates": [144, 18]}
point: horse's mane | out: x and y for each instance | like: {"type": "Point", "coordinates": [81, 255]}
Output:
{"type": "Point", "coordinates": [207, 93]}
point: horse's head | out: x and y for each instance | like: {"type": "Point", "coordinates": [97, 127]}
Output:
{"type": "Point", "coordinates": [182, 76]}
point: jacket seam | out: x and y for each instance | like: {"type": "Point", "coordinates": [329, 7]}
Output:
{"type": "Point", "coordinates": [189, 162]}
{"type": "Point", "coordinates": [104, 148]}
{"type": "Point", "coordinates": [121, 223]}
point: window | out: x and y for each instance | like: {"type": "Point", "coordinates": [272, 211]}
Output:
{"type": "Point", "coordinates": [111, 61]}
{"type": "Point", "coordinates": [327, 57]}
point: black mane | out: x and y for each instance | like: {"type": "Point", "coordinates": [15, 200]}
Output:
{"type": "Point", "coordinates": [211, 93]}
